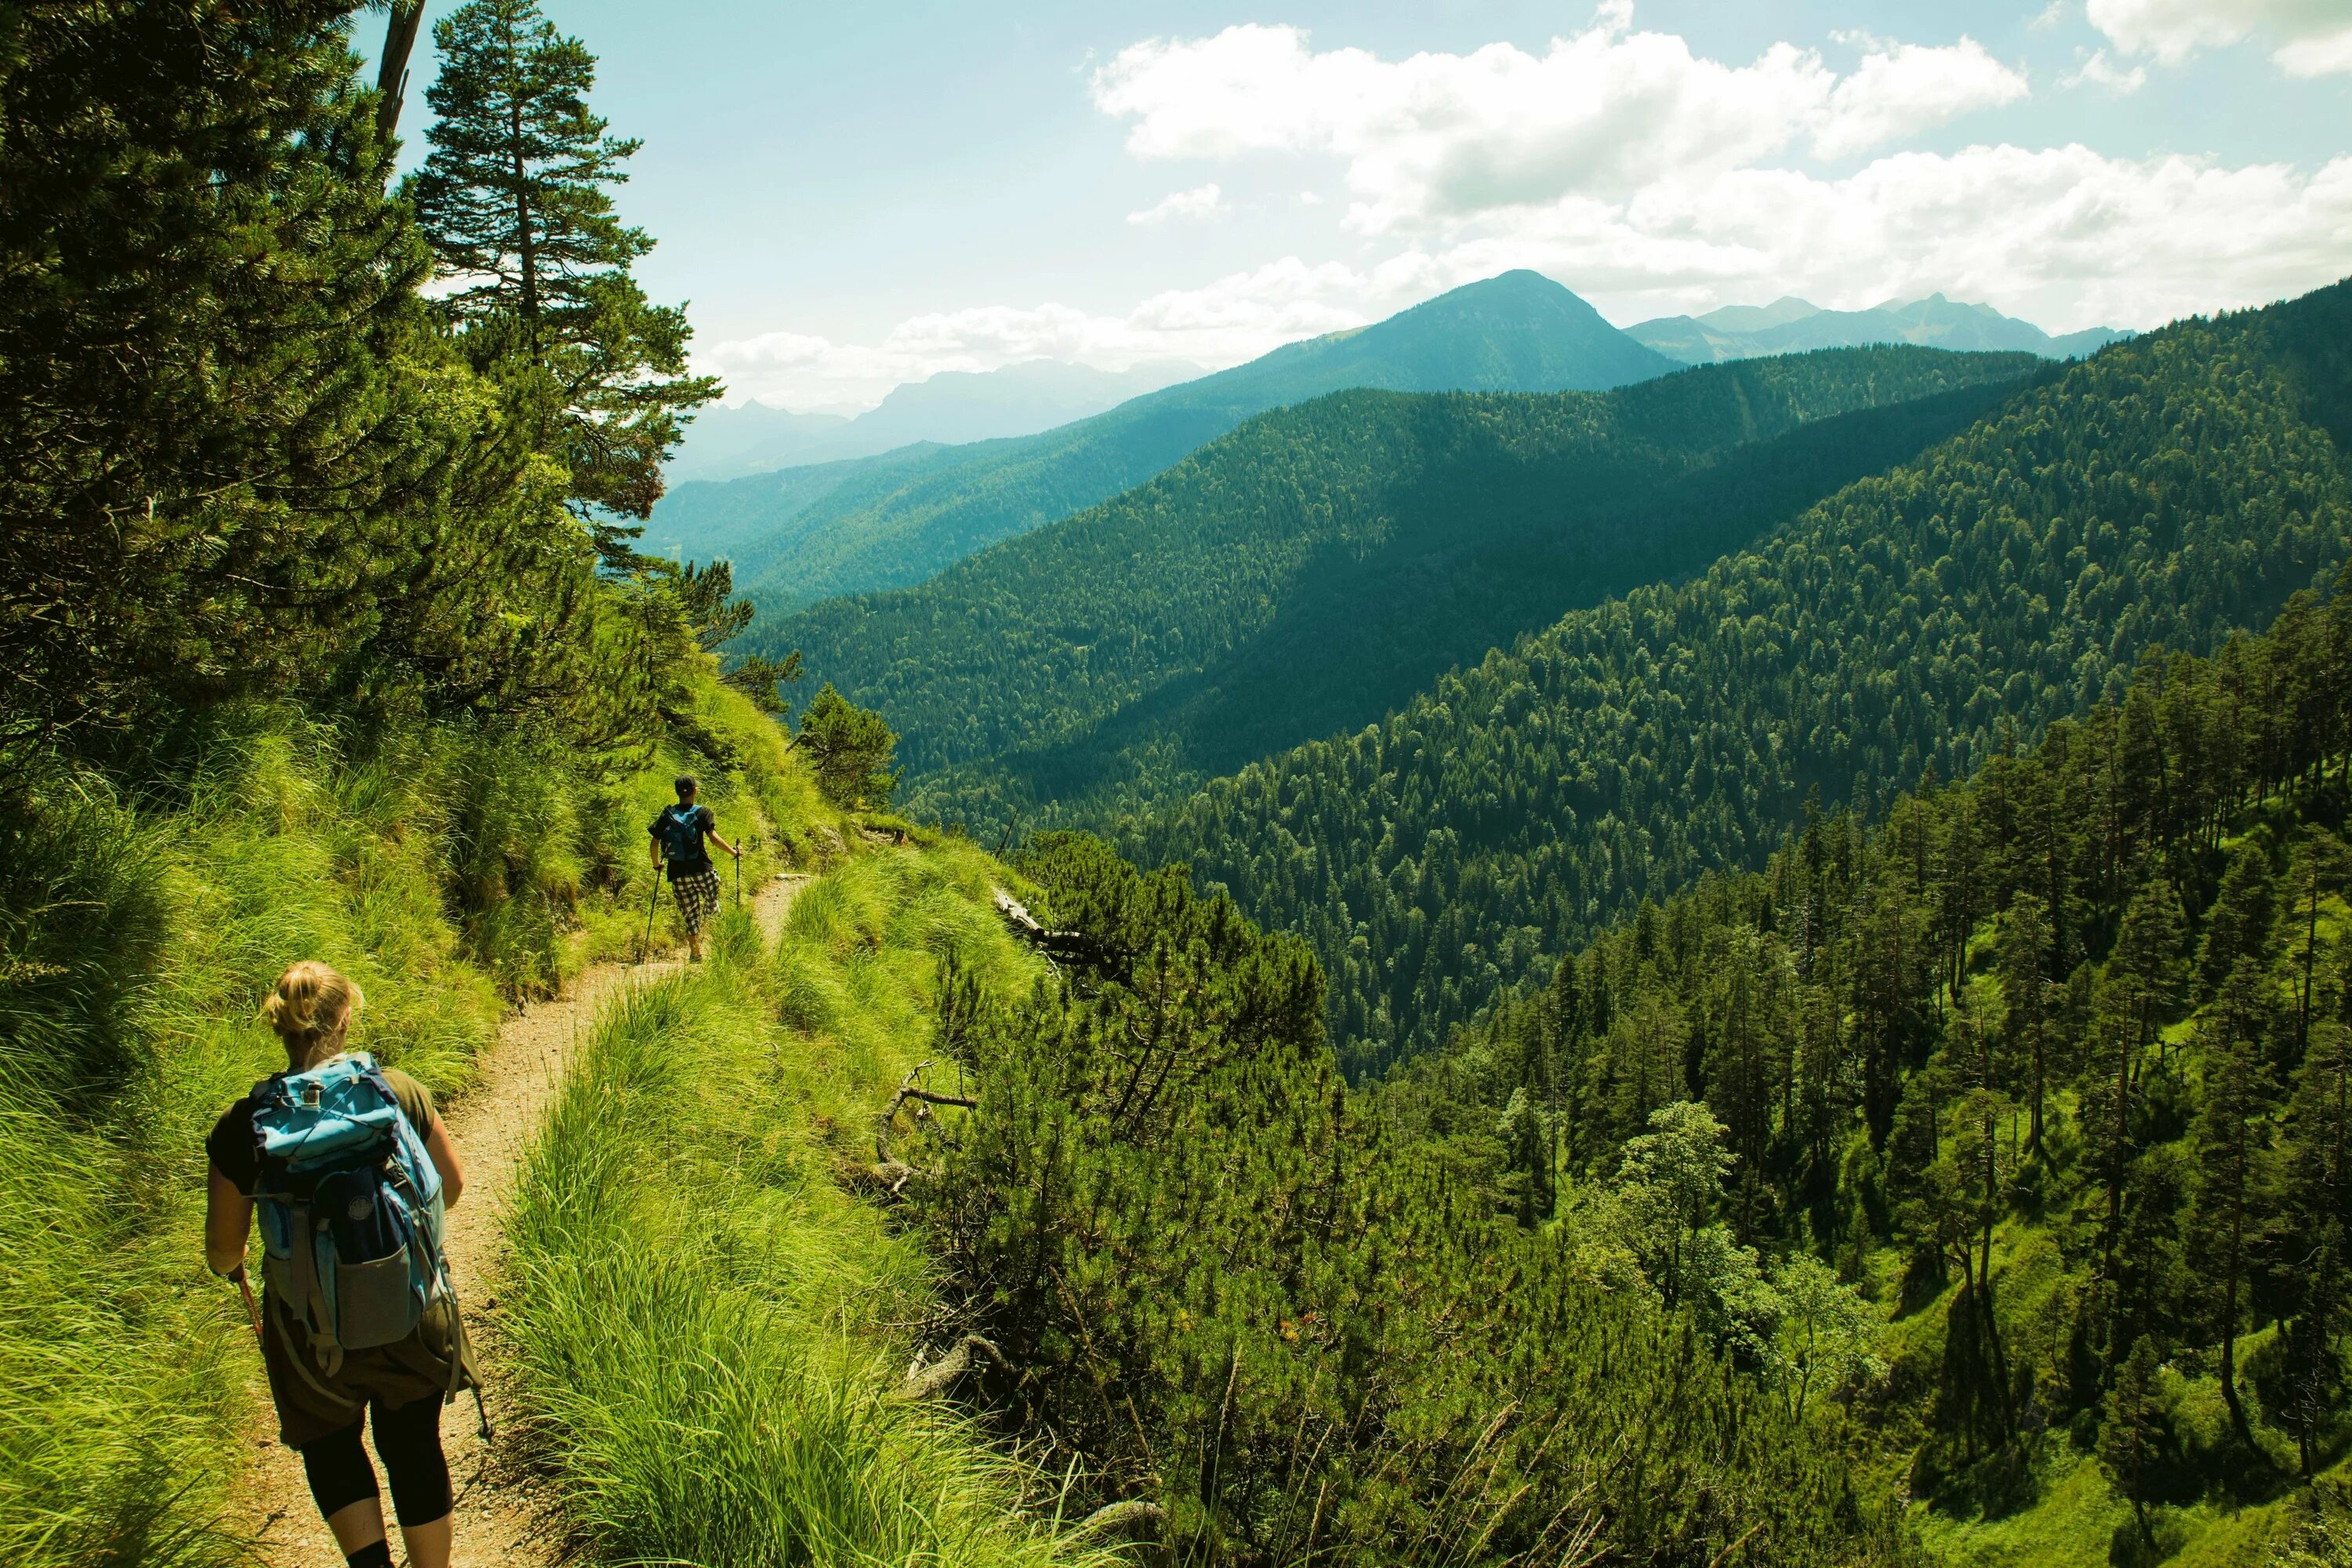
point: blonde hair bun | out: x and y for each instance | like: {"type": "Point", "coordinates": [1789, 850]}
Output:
{"type": "Point", "coordinates": [310, 1000]}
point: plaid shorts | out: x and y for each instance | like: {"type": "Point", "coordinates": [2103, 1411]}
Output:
{"type": "Point", "coordinates": [698, 896]}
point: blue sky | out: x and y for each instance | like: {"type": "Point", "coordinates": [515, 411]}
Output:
{"type": "Point", "coordinates": [851, 195]}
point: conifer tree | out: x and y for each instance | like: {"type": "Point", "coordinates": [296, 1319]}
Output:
{"type": "Point", "coordinates": [2132, 1438]}
{"type": "Point", "coordinates": [208, 301]}
{"type": "Point", "coordinates": [515, 199]}
{"type": "Point", "coordinates": [2231, 1137]}
{"type": "Point", "coordinates": [2026, 995]}
{"type": "Point", "coordinates": [2321, 866]}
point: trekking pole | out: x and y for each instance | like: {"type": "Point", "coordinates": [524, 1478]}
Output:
{"type": "Point", "coordinates": [653, 903]}
{"type": "Point", "coordinates": [252, 1312]}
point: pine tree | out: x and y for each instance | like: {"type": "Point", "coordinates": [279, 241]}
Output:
{"type": "Point", "coordinates": [2021, 950]}
{"type": "Point", "coordinates": [202, 340]}
{"type": "Point", "coordinates": [2320, 865]}
{"type": "Point", "coordinates": [850, 748]}
{"type": "Point", "coordinates": [2231, 1137]}
{"type": "Point", "coordinates": [515, 201]}
{"type": "Point", "coordinates": [2133, 1437]}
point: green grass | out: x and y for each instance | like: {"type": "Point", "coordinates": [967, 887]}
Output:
{"type": "Point", "coordinates": [445, 870]}
{"type": "Point", "coordinates": [709, 1327]}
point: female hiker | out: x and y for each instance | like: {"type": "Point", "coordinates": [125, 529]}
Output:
{"type": "Point", "coordinates": [677, 834]}
{"type": "Point", "coordinates": [332, 1361]}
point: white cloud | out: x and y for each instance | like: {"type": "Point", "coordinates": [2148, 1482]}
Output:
{"type": "Point", "coordinates": [1434, 137]}
{"type": "Point", "coordinates": [1900, 87]}
{"type": "Point", "coordinates": [1199, 202]}
{"type": "Point", "coordinates": [2052, 15]}
{"type": "Point", "coordinates": [2311, 37]}
{"type": "Point", "coordinates": [1648, 179]}
{"type": "Point", "coordinates": [2065, 236]}
{"type": "Point", "coordinates": [2097, 70]}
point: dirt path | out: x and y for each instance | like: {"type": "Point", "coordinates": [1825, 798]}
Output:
{"type": "Point", "coordinates": [499, 1518]}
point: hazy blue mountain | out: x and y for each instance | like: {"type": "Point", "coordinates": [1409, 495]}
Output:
{"type": "Point", "coordinates": [723, 442]}
{"type": "Point", "coordinates": [950, 407]}
{"type": "Point", "coordinates": [899, 518]}
{"type": "Point", "coordinates": [1789, 326]}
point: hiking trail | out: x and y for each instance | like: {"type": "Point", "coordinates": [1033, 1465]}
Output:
{"type": "Point", "coordinates": [502, 1521]}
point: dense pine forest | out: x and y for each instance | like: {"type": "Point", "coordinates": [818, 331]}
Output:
{"type": "Point", "coordinates": [2168, 490]}
{"type": "Point", "coordinates": [2051, 1066]}
{"type": "Point", "coordinates": [1314, 570]}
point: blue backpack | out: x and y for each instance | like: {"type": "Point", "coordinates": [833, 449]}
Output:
{"type": "Point", "coordinates": [679, 829]}
{"type": "Point", "coordinates": [351, 1211]}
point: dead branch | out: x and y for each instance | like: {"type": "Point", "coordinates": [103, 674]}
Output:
{"type": "Point", "coordinates": [930, 1382]}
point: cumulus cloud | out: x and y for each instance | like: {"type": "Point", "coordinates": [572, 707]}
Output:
{"type": "Point", "coordinates": [1649, 180]}
{"type": "Point", "coordinates": [2309, 37]}
{"type": "Point", "coordinates": [2065, 236]}
{"type": "Point", "coordinates": [1199, 202]}
{"type": "Point", "coordinates": [1437, 136]}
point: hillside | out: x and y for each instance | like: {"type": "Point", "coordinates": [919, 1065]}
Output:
{"type": "Point", "coordinates": [2049, 1070]}
{"type": "Point", "coordinates": [1795, 326]}
{"type": "Point", "coordinates": [1312, 570]}
{"type": "Point", "coordinates": [895, 523]}
{"type": "Point", "coordinates": [2158, 494]}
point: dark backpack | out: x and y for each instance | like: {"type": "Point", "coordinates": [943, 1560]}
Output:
{"type": "Point", "coordinates": [680, 831]}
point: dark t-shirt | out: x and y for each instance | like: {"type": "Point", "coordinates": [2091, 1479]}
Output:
{"type": "Point", "coordinates": [230, 1142]}
{"type": "Point", "coordinates": [704, 824]}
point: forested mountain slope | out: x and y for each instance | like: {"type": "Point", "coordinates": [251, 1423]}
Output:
{"type": "Point", "coordinates": [1309, 572]}
{"type": "Point", "coordinates": [2158, 494]}
{"type": "Point", "coordinates": [898, 522]}
{"type": "Point", "coordinates": [2052, 1067]}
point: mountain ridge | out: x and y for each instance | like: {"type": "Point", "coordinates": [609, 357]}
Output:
{"type": "Point", "coordinates": [1790, 325]}
{"type": "Point", "coordinates": [894, 522]}
{"type": "Point", "coordinates": [1306, 572]}
{"type": "Point", "coordinates": [950, 407]}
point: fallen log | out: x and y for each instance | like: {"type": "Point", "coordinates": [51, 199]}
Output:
{"type": "Point", "coordinates": [1132, 1517]}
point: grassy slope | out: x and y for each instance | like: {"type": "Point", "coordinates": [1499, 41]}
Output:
{"type": "Point", "coordinates": [136, 941]}
{"type": "Point", "coordinates": [709, 1321]}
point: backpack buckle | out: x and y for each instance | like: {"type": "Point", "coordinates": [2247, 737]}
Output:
{"type": "Point", "coordinates": [310, 1096]}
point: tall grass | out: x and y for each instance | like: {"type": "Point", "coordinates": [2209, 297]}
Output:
{"type": "Point", "coordinates": [444, 869]}
{"type": "Point", "coordinates": [709, 1327]}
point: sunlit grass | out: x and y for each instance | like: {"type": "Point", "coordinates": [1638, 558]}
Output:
{"type": "Point", "coordinates": [446, 870]}
{"type": "Point", "coordinates": [710, 1327]}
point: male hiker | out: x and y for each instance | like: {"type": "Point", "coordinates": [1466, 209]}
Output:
{"type": "Point", "coordinates": [677, 834]}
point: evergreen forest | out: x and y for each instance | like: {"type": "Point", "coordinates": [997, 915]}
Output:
{"type": "Point", "coordinates": [2155, 496]}
{"type": "Point", "coordinates": [1314, 570]}
{"type": "Point", "coordinates": [1468, 953]}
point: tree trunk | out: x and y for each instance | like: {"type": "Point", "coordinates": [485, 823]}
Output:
{"type": "Point", "coordinates": [525, 243]}
{"type": "Point", "coordinates": [391, 72]}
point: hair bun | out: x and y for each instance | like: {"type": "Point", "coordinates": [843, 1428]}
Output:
{"type": "Point", "coordinates": [309, 1000]}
